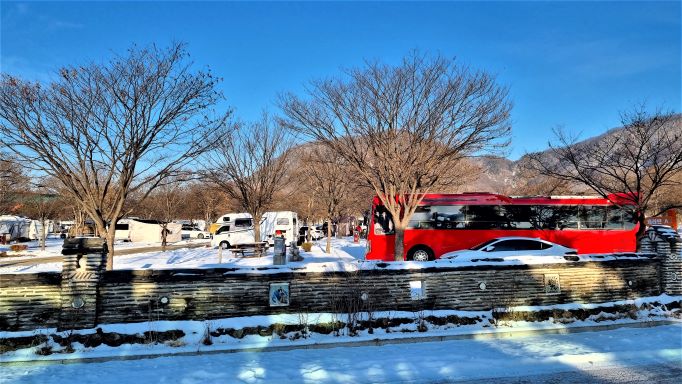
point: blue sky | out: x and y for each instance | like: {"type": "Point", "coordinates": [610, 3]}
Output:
{"type": "Point", "coordinates": [566, 63]}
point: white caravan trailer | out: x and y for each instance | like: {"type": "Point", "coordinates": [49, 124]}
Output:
{"type": "Point", "coordinates": [237, 228]}
{"type": "Point", "coordinates": [280, 224]}
{"type": "Point", "coordinates": [122, 231]}
{"type": "Point", "coordinates": [149, 231]}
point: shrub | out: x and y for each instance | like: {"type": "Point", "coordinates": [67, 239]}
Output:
{"type": "Point", "coordinates": [307, 246]}
{"type": "Point", "coordinates": [18, 247]}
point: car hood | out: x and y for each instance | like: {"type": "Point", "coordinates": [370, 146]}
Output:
{"type": "Point", "coordinates": [454, 254]}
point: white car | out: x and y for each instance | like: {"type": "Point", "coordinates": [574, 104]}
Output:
{"type": "Point", "coordinates": [190, 232]}
{"type": "Point", "coordinates": [511, 246]}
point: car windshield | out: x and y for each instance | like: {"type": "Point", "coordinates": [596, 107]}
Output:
{"type": "Point", "coordinates": [483, 245]}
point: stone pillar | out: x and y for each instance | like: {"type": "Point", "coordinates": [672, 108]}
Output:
{"type": "Point", "coordinates": [671, 269]}
{"type": "Point", "coordinates": [84, 261]}
{"type": "Point", "coordinates": [668, 247]}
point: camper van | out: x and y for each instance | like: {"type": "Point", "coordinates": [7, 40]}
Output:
{"type": "Point", "coordinates": [237, 228]}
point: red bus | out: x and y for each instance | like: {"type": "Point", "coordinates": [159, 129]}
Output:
{"type": "Point", "coordinates": [449, 222]}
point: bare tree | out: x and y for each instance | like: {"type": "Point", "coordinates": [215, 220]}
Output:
{"type": "Point", "coordinates": [108, 130]}
{"type": "Point", "coordinates": [404, 128]}
{"type": "Point", "coordinates": [249, 164]}
{"type": "Point", "coordinates": [43, 204]}
{"type": "Point", "coordinates": [638, 161]}
{"type": "Point", "coordinates": [12, 180]}
{"type": "Point", "coordinates": [330, 183]}
{"type": "Point", "coordinates": [165, 203]}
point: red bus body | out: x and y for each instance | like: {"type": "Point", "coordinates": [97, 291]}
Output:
{"type": "Point", "coordinates": [585, 233]}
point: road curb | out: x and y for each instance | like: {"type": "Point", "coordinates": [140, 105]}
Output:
{"type": "Point", "coordinates": [362, 343]}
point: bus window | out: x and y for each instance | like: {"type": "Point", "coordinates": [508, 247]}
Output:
{"type": "Point", "coordinates": [519, 217]}
{"type": "Point", "coordinates": [283, 221]}
{"type": "Point", "coordinates": [448, 216]}
{"type": "Point", "coordinates": [383, 221]}
{"type": "Point", "coordinates": [592, 217]}
{"type": "Point", "coordinates": [485, 217]}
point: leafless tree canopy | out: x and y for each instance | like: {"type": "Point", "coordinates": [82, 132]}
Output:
{"type": "Point", "coordinates": [108, 130]}
{"type": "Point", "coordinates": [12, 180]}
{"type": "Point", "coordinates": [249, 163]}
{"type": "Point", "coordinates": [404, 128]}
{"type": "Point", "coordinates": [642, 158]}
{"type": "Point", "coordinates": [330, 183]}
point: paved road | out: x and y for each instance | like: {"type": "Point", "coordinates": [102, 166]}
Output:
{"type": "Point", "coordinates": [122, 252]}
{"type": "Point", "coordinates": [646, 374]}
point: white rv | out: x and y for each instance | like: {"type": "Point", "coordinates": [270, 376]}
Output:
{"type": "Point", "coordinates": [280, 224]}
{"type": "Point", "coordinates": [237, 228]}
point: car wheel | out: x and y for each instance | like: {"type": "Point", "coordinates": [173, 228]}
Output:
{"type": "Point", "coordinates": [224, 245]}
{"type": "Point", "coordinates": [420, 253]}
{"type": "Point", "coordinates": [200, 236]}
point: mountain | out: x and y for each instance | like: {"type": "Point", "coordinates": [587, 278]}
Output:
{"type": "Point", "coordinates": [501, 175]}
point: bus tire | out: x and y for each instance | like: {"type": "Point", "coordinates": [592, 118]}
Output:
{"type": "Point", "coordinates": [224, 245]}
{"type": "Point", "coordinates": [420, 253]}
{"type": "Point", "coordinates": [200, 236]}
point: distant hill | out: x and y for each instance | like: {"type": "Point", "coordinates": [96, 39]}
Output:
{"type": "Point", "coordinates": [505, 176]}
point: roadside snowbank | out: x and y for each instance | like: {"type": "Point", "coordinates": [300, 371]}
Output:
{"type": "Point", "coordinates": [308, 329]}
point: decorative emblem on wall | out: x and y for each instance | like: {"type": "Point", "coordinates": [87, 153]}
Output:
{"type": "Point", "coordinates": [417, 290]}
{"type": "Point", "coordinates": [552, 284]}
{"type": "Point", "coordinates": [77, 302]}
{"type": "Point", "coordinates": [279, 294]}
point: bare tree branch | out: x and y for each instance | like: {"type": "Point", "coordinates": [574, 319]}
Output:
{"type": "Point", "coordinates": [108, 130]}
{"type": "Point", "coordinates": [404, 129]}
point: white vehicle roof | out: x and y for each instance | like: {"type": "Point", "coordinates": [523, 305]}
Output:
{"type": "Point", "coordinates": [520, 238]}
{"type": "Point", "coordinates": [235, 215]}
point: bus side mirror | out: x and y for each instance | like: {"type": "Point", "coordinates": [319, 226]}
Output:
{"type": "Point", "coordinates": [489, 248]}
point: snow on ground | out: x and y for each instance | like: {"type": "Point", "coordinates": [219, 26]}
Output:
{"type": "Point", "coordinates": [53, 247]}
{"type": "Point", "coordinates": [424, 362]}
{"type": "Point", "coordinates": [397, 325]}
{"type": "Point", "coordinates": [345, 256]}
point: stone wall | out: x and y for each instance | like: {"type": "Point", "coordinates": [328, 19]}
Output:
{"type": "Point", "coordinates": [667, 244]}
{"type": "Point", "coordinates": [29, 301]}
{"type": "Point", "coordinates": [83, 297]}
{"type": "Point", "coordinates": [205, 294]}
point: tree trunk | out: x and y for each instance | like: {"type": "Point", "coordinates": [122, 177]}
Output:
{"type": "Point", "coordinates": [641, 230]}
{"type": "Point", "coordinates": [43, 235]}
{"type": "Point", "coordinates": [399, 243]}
{"type": "Point", "coordinates": [328, 248]}
{"type": "Point", "coordinates": [164, 235]}
{"type": "Point", "coordinates": [111, 238]}
{"type": "Point", "coordinates": [256, 228]}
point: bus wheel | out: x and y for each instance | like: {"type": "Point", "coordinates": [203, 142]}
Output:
{"type": "Point", "coordinates": [420, 253]}
{"type": "Point", "coordinates": [224, 245]}
{"type": "Point", "coordinates": [200, 236]}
